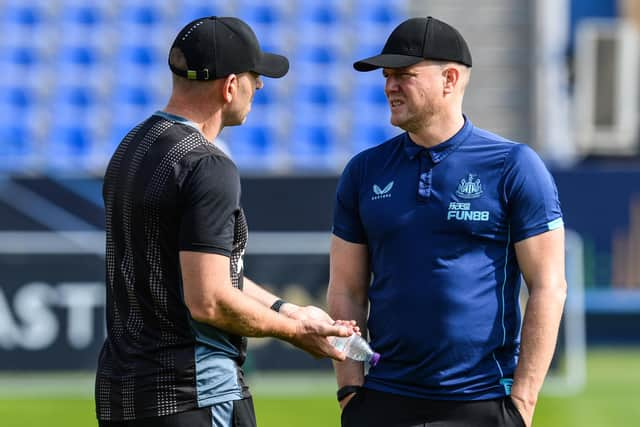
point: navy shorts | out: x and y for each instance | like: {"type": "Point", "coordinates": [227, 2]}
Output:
{"type": "Point", "coordinates": [236, 413]}
{"type": "Point", "coordinates": [371, 408]}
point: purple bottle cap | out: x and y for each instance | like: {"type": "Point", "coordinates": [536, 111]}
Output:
{"type": "Point", "coordinates": [374, 359]}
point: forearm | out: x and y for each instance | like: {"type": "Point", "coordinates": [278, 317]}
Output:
{"type": "Point", "coordinates": [236, 312]}
{"type": "Point", "coordinates": [342, 306]}
{"type": "Point", "coordinates": [539, 335]}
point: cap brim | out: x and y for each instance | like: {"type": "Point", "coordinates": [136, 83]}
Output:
{"type": "Point", "coordinates": [272, 65]}
{"type": "Point", "coordinates": [386, 61]}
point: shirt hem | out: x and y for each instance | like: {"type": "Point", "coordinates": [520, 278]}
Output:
{"type": "Point", "coordinates": [206, 249]}
{"type": "Point", "coordinates": [430, 396]}
{"type": "Point", "coordinates": [344, 235]}
{"type": "Point", "coordinates": [539, 229]}
{"type": "Point", "coordinates": [227, 397]}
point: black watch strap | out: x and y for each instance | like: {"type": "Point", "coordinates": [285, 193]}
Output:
{"type": "Point", "coordinates": [276, 305]}
{"type": "Point", "coordinates": [347, 390]}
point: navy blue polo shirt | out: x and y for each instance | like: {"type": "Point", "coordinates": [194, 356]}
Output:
{"type": "Point", "coordinates": [440, 225]}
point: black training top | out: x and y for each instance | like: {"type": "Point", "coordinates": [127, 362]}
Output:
{"type": "Point", "coordinates": [166, 189]}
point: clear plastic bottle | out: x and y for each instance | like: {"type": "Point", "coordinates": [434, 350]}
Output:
{"type": "Point", "coordinates": [356, 348]}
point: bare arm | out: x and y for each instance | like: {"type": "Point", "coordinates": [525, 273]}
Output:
{"type": "Point", "coordinates": [541, 260]}
{"type": "Point", "coordinates": [347, 298]}
{"type": "Point", "coordinates": [211, 299]}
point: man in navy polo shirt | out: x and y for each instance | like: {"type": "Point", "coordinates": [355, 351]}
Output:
{"type": "Point", "coordinates": [432, 231]}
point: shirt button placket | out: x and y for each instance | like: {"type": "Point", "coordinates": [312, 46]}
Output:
{"type": "Point", "coordinates": [424, 180]}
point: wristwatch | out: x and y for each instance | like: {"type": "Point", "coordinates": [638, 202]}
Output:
{"type": "Point", "coordinates": [346, 390]}
{"type": "Point", "coordinates": [276, 305]}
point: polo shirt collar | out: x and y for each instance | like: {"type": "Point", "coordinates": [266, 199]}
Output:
{"type": "Point", "coordinates": [442, 150]}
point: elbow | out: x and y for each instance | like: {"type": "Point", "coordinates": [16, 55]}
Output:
{"type": "Point", "coordinates": [202, 311]}
{"type": "Point", "coordinates": [563, 290]}
{"type": "Point", "coordinates": [550, 291]}
{"type": "Point", "coordinates": [559, 291]}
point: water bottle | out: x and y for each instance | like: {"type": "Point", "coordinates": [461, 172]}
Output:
{"type": "Point", "coordinates": [356, 348]}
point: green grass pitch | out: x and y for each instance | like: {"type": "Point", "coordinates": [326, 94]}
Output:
{"type": "Point", "coordinates": [610, 398]}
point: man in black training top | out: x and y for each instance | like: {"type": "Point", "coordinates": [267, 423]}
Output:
{"type": "Point", "coordinates": [178, 307]}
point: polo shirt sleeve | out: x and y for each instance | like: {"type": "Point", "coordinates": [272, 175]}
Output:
{"type": "Point", "coordinates": [531, 194]}
{"type": "Point", "coordinates": [347, 223]}
{"type": "Point", "coordinates": [210, 197]}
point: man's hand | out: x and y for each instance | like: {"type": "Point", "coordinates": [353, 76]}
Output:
{"type": "Point", "coordinates": [525, 408]}
{"type": "Point", "coordinates": [311, 312]}
{"type": "Point", "coordinates": [311, 336]}
{"type": "Point", "coordinates": [305, 313]}
{"type": "Point", "coordinates": [314, 326]}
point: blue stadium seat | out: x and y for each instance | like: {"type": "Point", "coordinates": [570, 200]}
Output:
{"type": "Point", "coordinates": [85, 15]}
{"type": "Point", "coordinates": [317, 54]}
{"type": "Point", "coordinates": [316, 137]}
{"type": "Point", "coordinates": [323, 95]}
{"type": "Point", "coordinates": [16, 139]}
{"type": "Point", "coordinates": [382, 12]}
{"type": "Point", "coordinates": [319, 12]}
{"type": "Point", "coordinates": [23, 14]}
{"type": "Point", "coordinates": [369, 126]}
{"type": "Point", "coordinates": [69, 146]}
{"type": "Point", "coordinates": [97, 76]}
{"type": "Point", "coordinates": [265, 96]}
{"type": "Point", "coordinates": [254, 139]}
{"type": "Point", "coordinates": [85, 46]}
{"type": "Point", "coordinates": [255, 144]}
{"type": "Point", "coordinates": [140, 55]}
{"type": "Point", "coordinates": [262, 14]}
{"type": "Point", "coordinates": [75, 96]}
{"type": "Point", "coordinates": [26, 56]}
{"type": "Point", "coordinates": [72, 140]}
{"type": "Point", "coordinates": [17, 148]}
{"type": "Point", "coordinates": [137, 96]}
{"type": "Point", "coordinates": [145, 22]}
{"type": "Point", "coordinates": [364, 136]}
{"type": "Point", "coordinates": [193, 9]}
{"type": "Point", "coordinates": [315, 62]}
{"type": "Point", "coordinates": [18, 97]}
{"type": "Point", "coordinates": [369, 93]}
{"type": "Point", "coordinates": [141, 14]}
{"type": "Point", "coordinates": [84, 56]}
{"type": "Point", "coordinates": [314, 146]}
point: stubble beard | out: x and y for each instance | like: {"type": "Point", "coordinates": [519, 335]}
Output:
{"type": "Point", "coordinates": [235, 118]}
{"type": "Point", "coordinates": [415, 121]}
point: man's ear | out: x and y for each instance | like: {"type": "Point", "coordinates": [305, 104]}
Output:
{"type": "Point", "coordinates": [451, 79]}
{"type": "Point", "coordinates": [229, 88]}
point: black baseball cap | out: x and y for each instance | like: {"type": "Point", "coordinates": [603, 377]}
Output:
{"type": "Point", "coordinates": [215, 47]}
{"type": "Point", "coordinates": [416, 39]}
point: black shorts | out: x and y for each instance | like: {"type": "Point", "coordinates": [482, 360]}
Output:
{"type": "Point", "coordinates": [371, 408]}
{"type": "Point", "coordinates": [237, 413]}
